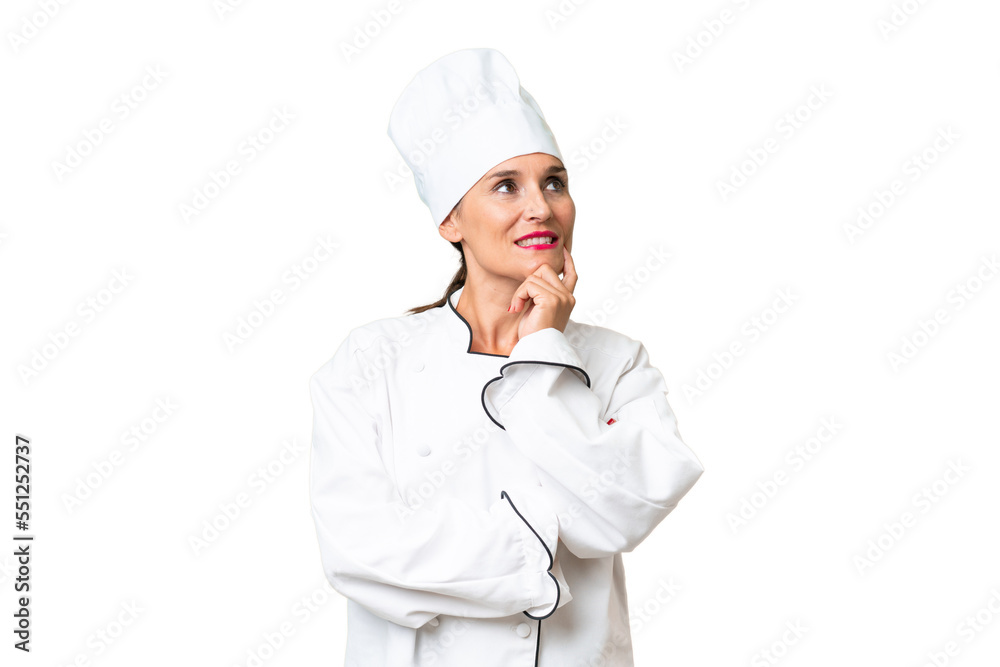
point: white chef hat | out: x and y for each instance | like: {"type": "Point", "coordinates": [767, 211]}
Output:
{"type": "Point", "coordinates": [461, 116]}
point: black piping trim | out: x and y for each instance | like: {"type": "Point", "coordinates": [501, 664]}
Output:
{"type": "Point", "coordinates": [538, 638]}
{"type": "Point", "coordinates": [468, 350]}
{"type": "Point", "coordinates": [482, 396]}
{"type": "Point", "coordinates": [504, 494]}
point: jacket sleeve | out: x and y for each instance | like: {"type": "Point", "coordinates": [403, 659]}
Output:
{"type": "Point", "coordinates": [409, 565]}
{"type": "Point", "coordinates": [612, 483]}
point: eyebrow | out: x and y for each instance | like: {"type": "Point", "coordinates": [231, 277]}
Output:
{"type": "Point", "coordinates": [554, 169]}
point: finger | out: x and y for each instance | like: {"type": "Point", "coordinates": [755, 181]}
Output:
{"type": "Point", "coordinates": [549, 275]}
{"type": "Point", "coordinates": [532, 289]}
{"type": "Point", "coordinates": [569, 271]}
{"type": "Point", "coordinates": [520, 296]}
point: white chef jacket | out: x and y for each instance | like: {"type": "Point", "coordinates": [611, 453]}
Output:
{"type": "Point", "coordinates": [473, 507]}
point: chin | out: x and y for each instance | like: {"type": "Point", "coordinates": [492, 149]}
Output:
{"type": "Point", "coordinates": [556, 266]}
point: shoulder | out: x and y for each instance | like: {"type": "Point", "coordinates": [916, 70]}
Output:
{"type": "Point", "coordinates": [605, 354]}
{"type": "Point", "coordinates": [365, 342]}
{"type": "Point", "coordinates": [617, 364]}
{"type": "Point", "coordinates": [401, 329]}
{"type": "Point", "coordinates": [593, 340]}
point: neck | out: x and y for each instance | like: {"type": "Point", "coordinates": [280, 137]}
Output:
{"type": "Point", "coordinates": [484, 307]}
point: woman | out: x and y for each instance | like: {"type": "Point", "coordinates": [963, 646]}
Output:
{"type": "Point", "coordinates": [480, 464]}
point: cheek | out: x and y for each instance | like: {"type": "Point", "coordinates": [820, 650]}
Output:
{"type": "Point", "coordinates": [567, 216]}
{"type": "Point", "coordinates": [566, 206]}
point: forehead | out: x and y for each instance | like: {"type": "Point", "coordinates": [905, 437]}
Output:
{"type": "Point", "coordinates": [541, 164]}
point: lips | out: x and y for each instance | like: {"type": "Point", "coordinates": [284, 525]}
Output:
{"type": "Point", "coordinates": [539, 246]}
{"type": "Point", "coordinates": [539, 232]}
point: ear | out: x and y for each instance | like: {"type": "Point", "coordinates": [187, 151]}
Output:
{"type": "Point", "coordinates": [448, 231]}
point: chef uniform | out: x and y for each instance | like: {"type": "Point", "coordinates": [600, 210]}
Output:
{"type": "Point", "coordinates": [467, 503]}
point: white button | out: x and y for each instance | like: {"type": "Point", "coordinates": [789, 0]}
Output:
{"type": "Point", "coordinates": [419, 366]}
{"type": "Point", "coordinates": [523, 630]}
{"type": "Point", "coordinates": [423, 449]}
{"type": "Point", "coordinates": [434, 622]}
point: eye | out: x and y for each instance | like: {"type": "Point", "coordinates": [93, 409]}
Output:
{"type": "Point", "coordinates": [506, 183]}
{"type": "Point", "coordinates": [559, 183]}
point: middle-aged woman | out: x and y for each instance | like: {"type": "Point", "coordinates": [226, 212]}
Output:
{"type": "Point", "coordinates": [480, 464]}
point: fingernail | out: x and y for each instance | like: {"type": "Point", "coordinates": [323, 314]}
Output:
{"type": "Point", "coordinates": [508, 309]}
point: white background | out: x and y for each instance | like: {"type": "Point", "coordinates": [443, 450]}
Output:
{"type": "Point", "coordinates": [683, 128]}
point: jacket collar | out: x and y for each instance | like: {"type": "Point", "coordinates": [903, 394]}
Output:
{"type": "Point", "coordinates": [459, 328]}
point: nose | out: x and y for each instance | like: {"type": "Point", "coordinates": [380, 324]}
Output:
{"type": "Point", "coordinates": [536, 206]}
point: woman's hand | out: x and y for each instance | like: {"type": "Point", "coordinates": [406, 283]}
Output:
{"type": "Point", "coordinates": [544, 299]}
